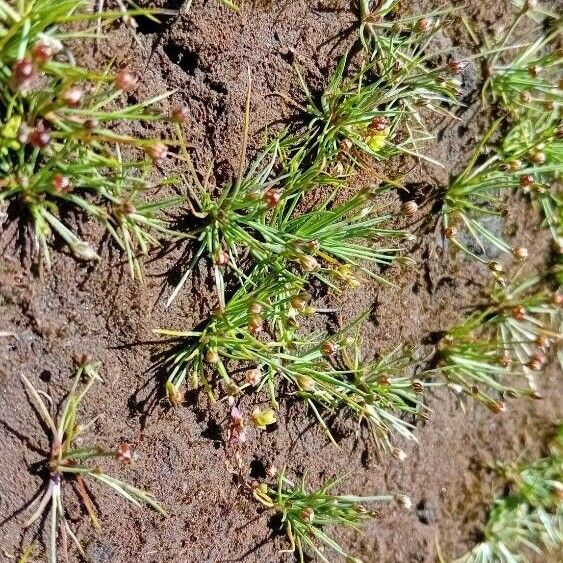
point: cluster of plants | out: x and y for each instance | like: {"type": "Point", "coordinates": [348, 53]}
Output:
{"type": "Point", "coordinates": [64, 146]}
{"type": "Point", "coordinates": [526, 517]}
{"type": "Point", "coordinates": [289, 225]}
{"type": "Point", "coordinates": [522, 153]}
{"type": "Point", "coordinates": [498, 351]}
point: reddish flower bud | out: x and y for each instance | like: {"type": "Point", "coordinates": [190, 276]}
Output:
{"type": "Point", "coordinates": [179, 114]}
{"type": "Point", "coordinates": [526, 180]}
{"type": "Point", "coordinates": [378, 123]}
{"type": "Point", "coordinates": [41, 53]}
{"type": "Point", "coordinates": [72, 96]}
{"type": "Point", "coordinates": [39, 137]}
{"type": "Point", "coordinates": [23, 69]}
{"type": "Point", "coordinates": [61, 183]}
{"type": "Point", "coordinates": [125, 80]}
{"type": "Point", "coordinates": [124, 452]}
{"type": "Point", "coordinates": [272, 197]}
{"type": "Point", "coordinates": [518, 312]}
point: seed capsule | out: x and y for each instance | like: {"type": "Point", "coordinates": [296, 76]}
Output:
{"type": "Point", "coordinates": [536, 361]}
{"type": "Point", "coordinates": [399, 454]}
{"type": "Point", "coordinates": [495, 267]}
{"type": "Point", "coordinates": [417, 386]}
{"type": "Point", "coordinates": [179, 114]}
{"type": "Point", "coordinates": [212, 356]}
{"type": "Point", "coordinates": [384, 380]}
{"type": "Point", "coordinates": [520, 253]}
{"type": "Point", "coordinates": [272, 197]}
{"type": "Point", "coordinates": [157, 151]}
{"type": "Point", "coordinates": [409, 208]}
{"type": "Point", "coordinates": [221, 258]}
{"type": "Point", "coordinates": [378, 123]}
{"type": "Point", "coordinates": [309, 263]}
{"type": "Point", "coordinates": [518, 312]}
{"type": "Point", "coordinates": [306, 383]}
{"type": "Point", "coordinates": [450, 232]}
{"type": "Point", "coordinates": [41, 53]}
{"type": "Point", "coordinates": [61, 183]}
{"type": "Point", "coordinates": [403, 501]}
{"type": "Point", "coordinates": [525, 97]}
{"type": "Point", "coordinates": [557, 299]}
{"type": "Point", "coordinates": [456, 67]}
{"type": "Point", "coordinates": [496, 407]}
{"type": "Point", "coordinates": [308, 515]}
{"type": "Point", "coordinates": [526, 180]}
{"type": "Point", "coordinates": [542, 341]}
{"type": "Point", "coordinates": [534, 71]}
{"type": "Point", "coordinates": [329, 348]}
{"type": "Point", "coordinates": [505, 361]}
{"type": "Point", "coordinates": [128, 208]}
{"type": "Point", "coordinates": [39, 137]}
{"type": "Point", "coordinates": [514, 165]}
{"type": "Point", "coordinates": [255, 324]}
{"type": "Point", "coordinates": [423, 25]}
{"type": "Point", "coordinates": [124, 452]}
{"type": "Point", "coordinates": [538, 157]}
{"type": "Point", "coordinates": [125, 80]}
{"type": "Point", "coordinates": [253, 376]}
{"type": "Point", "coordinates": [550, 105]}
{"type": "Point", "coordinates": [255, 308]}
{"type": "Point", "coordinates": [176, 396]}
{"type": "Point", "coordinates": [346, 145]}
{"type": "Point", "coordinates": [72, 96]}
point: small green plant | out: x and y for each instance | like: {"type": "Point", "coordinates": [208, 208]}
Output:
{"type": "Point", "coordinates": [258, 330]}
{"type": "Point", "coordinates": [528, 519]}
{"type": "Point", "coordinates": [304, 514]}
{"type": "Point", "coordinates": [503, 343]}
{"type": "Point", "coordinates": [371, 112]}
{"type": "Point", "coordinates": [535, 144]}
{"type": "Point", "coordinates": [67, 461]}
{"type": "Point", "coordinates": [530, 78]}
{"type": "Point", "coordinates": [60, 140]}
{"type": "Point", "coordinates": [479, 195]}
{"type": "Point", "coordinates": [255, 217]}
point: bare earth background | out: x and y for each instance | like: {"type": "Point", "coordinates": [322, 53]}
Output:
{"type": "Point", "coordinates": [77, 308]}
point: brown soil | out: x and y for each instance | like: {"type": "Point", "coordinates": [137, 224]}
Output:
{"type": "Point", "coordinates": [96, 309]}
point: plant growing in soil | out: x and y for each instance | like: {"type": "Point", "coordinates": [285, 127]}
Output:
{"type": "Point", "coordinates": [528, 516]}
{"type": "Point", "coordinates": [505, 341]}
{"type": "Point", "coordinates": [255, 217]}
{"type": "Point", "coordinates": [530, 79]}
{"type": "Point", "coordinates": [475, 201]}
{"type": "Point", "coordinates": [371, 112]}
{"type": "Point", "coordinates": [59, 146]}
{"type": "Point", "coordinates": [304, 514]}
{"type": "Point", "coordinates": [257, 330]}
{"type": "Point", "coordinates": [535, 144]}
{"type": "Point", "coordinates": [68, 462]}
